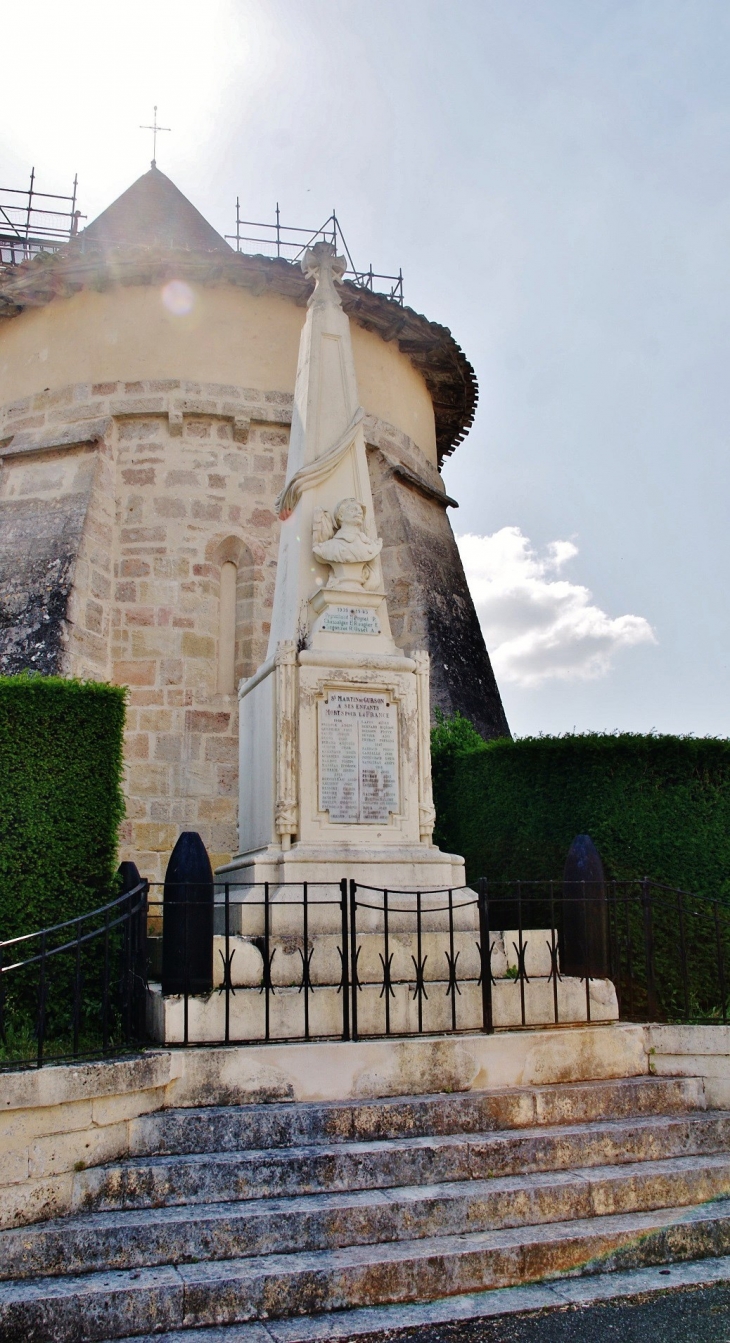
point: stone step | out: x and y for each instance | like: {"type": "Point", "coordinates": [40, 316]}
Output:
{"type": "Point", "coordinates": [330, 1167]}
{"type": "Point", "coordinates": [687, 1301]}
{"type": "Point", "coordinates": [234, 1128]}
{"type": "Point", "coordinates": [109, 1305]}
{"type": "Point", "coordinates": [149, 1237]}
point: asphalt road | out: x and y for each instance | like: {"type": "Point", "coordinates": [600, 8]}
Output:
{"type": "Point", "coordinates": [686, 1315]}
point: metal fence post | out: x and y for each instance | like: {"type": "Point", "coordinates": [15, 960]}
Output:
{"type": "Point", "coordinates": [651, 994]}
{"type": "Point", "coordinates": [353, 957]}
{"type": "Point", "coordinates": [485, 953]}
{"type": "Point", "coordinates": [345, 982]}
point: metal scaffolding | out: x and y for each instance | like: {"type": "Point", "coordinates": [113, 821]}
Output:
{"type": "Point", "coordinates": [284, 240]}
{"type": "Point", "coordinates": [34, 221]}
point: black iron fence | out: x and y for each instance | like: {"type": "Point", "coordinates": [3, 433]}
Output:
{"type": "Point", "coordinates": [77, 989]}
{"type": "Point", "coordinates": [248, 964]}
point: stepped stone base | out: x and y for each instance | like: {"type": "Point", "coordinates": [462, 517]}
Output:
{"type": "Point", "coordinates": [247, 1010]}
{"type": "Point", "coordinates": [287, 1012]}
{"type": "Point", "coordinates": [395, 867]}
{"type": "Point", "coordinates": [246, 1223]}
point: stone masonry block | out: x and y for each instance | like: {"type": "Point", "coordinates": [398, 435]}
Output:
{"type": "Point", "coordinates": [170, 508]}
{"type": "Point", "coordinates": [168, 747]}
{"type": "Point", "coordinates": [263, 518]}
{"type": "Point", "coordinates": [206, 510]}
{"type": "Point", "coordinates": [99, 585]}
{"type": "Point", "coordinates": [155, 837]}
{"type": "Point", "coordinates": [133, 536]}
{"type": "Point", "coordinates": [221, 750]}
{"type": "Point", "coordinates": [142, 475]}
{"type": "Point", "coordinates": [227, 780]}
{"type": "Point", "coordinates": [174, 479]}
{"type": "Point", "coordinates": [134, 673]}
{"type": "Point", "coordinates": [175, 422]}
{"type": "Point", "coordinates": [171, 671]}
{"type": "Point", "coordinates": [116, 1109]}
{"type": "Point", "coordinates": [148, 780]}
{"type": "Point", "coordinates": [137, 746]}
{"type": "Point", "coordinates": [15, 1165]}
{"type": "Point", "coordinates": [63, 1151]}
{"type": "Point", "coordinates": [217, 809]}
{"type": "Point", "coordinates": [155, 720]}
{"type": "Point", "coordinates": [241, 428]}
{"type": "Point", "coordinates": [133, 568]}
{"type": "Point", "coordinates": [35, 1200]}
{"type": "Point", "coordinates": [206, 720]}
{"type": "Point", "coordinates": [197, 645]}
{"type": "Point", "coordinates": [93, 616]}
{"type": "Point", "coordinates": [148, 643]}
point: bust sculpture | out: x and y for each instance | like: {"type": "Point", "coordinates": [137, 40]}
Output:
{"type": "Point", "coordinates": [342, 542]}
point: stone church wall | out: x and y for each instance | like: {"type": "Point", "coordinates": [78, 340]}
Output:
{"type": "Point", "coordinates": [120, 506]}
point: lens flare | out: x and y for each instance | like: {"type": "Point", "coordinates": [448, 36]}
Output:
{"type": "Point", "coordinates": [178, 298]}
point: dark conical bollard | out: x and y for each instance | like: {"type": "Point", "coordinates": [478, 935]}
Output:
{"type": "Point", "coordinates": [136, 954]}
{"type": "Point", "coordinates": [584, 944]}
{"type": "Point", "coordinates": [187, 918]}
{"type": "Point", "coordinates": [128, 874]}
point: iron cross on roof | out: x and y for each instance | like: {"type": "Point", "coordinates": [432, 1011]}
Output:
{"type": "Point", "coordinates": [154, 128]}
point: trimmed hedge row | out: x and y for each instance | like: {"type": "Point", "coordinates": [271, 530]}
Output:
{"type": "Point", "coordinates": [60, 797]}
{"type": "Point", "coordinates": [656, 806]}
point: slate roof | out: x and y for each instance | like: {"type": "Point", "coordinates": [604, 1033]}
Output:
{"type": "Point", "coordinates": [154, 212]}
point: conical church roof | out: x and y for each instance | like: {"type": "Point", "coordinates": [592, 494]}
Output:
{"type": "Point", "coordinates": [154, 211]}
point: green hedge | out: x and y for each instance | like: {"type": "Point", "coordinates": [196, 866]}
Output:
{"type": "Point", "coordinates": [60, 797]}
{"type": "Point", "coordinates": [656, 806]}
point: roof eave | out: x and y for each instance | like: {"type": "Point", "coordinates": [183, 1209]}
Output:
{"type": "Point", "coordinates": [430, 347]}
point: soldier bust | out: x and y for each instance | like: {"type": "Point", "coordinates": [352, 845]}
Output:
{"type": "Point", "coordinates": [342, 542]}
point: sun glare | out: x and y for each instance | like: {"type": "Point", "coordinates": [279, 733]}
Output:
{"type": "Point", "coordinates": [178, 298]}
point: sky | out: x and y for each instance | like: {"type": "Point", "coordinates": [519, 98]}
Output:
{"type": "Point", "coordinates": [553, 176]}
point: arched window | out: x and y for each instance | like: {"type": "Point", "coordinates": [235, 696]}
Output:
{"type": "Point", "coordinates": [235, 612]}
{"type": "Point", "coordinates": [227, 629]}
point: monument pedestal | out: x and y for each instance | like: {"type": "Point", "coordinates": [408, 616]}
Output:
{"type": "Point", "coordinates": [335, 773]}
{"type": "Point", "coordinates": [400, 868]}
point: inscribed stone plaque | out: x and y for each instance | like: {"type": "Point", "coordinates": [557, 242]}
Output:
{"type": "Point", "coordinates": [351, 620]}
{"type": "Point", "coordinates": [358, 757]}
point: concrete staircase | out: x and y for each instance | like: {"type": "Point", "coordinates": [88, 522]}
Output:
{"type": "Point", "coordinates": [227, 1215]}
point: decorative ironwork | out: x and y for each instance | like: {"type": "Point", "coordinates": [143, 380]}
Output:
{"type": "Point", "coordinates": [387, 975]}
{"type": "Point", "coordinates": [227, 981]}
{"type": "Point", "coordinates": [419, 988]}
{"type": "Point", "coordinates": [306, 965]}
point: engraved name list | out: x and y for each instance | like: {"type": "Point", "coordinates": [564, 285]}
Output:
{"type": "Point", "coordinates": [358, 756]}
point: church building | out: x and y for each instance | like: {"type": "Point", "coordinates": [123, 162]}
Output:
{"type": "Point", "coordinates": [147, 376]}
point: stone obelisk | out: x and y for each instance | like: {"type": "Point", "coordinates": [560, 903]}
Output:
{"type": "Point", "coordinates": [334, 731]}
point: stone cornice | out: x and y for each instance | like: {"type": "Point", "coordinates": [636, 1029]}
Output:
{"type": "Point", "coordinates": [78, 435]}
{"type": "Point", "coordinates": [81, 414]}
{"type": "Point", "coordinates": [418, 483]}
{"type": "Point", "coordinates": [430, 347]}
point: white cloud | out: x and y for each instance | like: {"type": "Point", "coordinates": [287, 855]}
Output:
{"type": "Point", "coordinates": [537, 625]}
